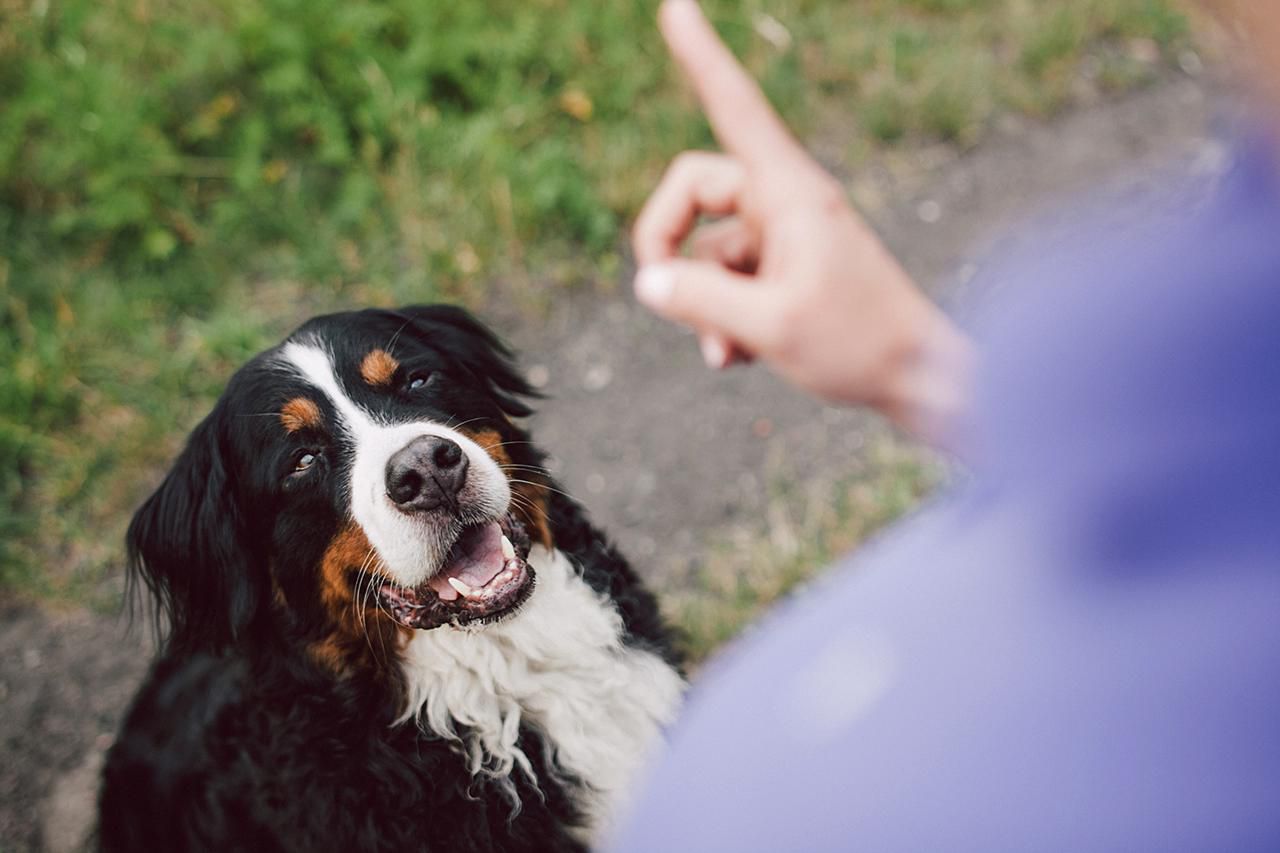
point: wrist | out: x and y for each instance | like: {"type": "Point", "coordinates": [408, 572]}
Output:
{"type": "Point", "coordinates": [926, 387]}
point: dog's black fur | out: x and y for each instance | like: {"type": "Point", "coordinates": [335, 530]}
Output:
{"type": "Point", "coordinates": [244, 737]}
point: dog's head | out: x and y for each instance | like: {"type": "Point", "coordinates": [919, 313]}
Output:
{"type": "Point", "coordinates": [363, 477]}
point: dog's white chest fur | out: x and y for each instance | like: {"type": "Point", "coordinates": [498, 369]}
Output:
{"type": "Point", "coordinates": [558, 664]}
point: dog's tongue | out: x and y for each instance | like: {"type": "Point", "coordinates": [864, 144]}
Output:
{"type": "Point", "coordinates": [475, 559]}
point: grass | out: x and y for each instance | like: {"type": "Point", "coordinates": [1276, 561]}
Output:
{"type": "Point", "coordinates": [807, 528]}
{"type": "Point", "coordinates": [182, 182]}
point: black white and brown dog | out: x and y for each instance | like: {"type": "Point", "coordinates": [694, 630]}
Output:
{"type": "Point", "coordinates": [388, 629]}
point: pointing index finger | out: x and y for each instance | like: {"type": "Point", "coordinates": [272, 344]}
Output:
{"type": "Point", "coordinates": [741, 117]}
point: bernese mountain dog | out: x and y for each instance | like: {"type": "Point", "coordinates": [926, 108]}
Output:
{"type": "Point", "coordinates": [387, 628]}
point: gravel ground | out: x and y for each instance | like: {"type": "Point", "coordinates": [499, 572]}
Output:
{"type": "Point", "coordinates": [666, 455]}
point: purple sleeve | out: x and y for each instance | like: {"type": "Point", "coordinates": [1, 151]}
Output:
{"type": "Point", "coordinates": [1080, 648]}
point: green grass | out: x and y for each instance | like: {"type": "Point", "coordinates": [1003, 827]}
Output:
{"type": "Point", "coordinates": [181, 182]}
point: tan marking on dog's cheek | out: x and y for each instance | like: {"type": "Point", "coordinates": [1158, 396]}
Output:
{"type": "Point", "coordinates": [535, 519]}
{"type": "Point", "coordinates": [379, 367]}
{"type": "Point", "coordinates": [361, 635]}
{"type": "Point", "coordinates": [490, 441]}
{"type": "Point", "coordinates": [300, 413]}
{"type": "Point", "coordinates": [349, 548]}
{"type": "Point", "coordinates": [531, 502]}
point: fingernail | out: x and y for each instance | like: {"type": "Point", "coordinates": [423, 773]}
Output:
{"type": "Point", "coordinates": [654, 285]}
{"type": "Point", "coordinates": [714, 352]}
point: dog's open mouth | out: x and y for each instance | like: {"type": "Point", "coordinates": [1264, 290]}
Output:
{"type": "Point", "coordinates": [485, 575]}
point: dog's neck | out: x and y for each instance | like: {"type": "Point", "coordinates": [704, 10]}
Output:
{"type": "Point", "coordinates": [559, 665]}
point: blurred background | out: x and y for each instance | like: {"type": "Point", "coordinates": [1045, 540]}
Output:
{"type": "Point", "coordinates": [182, 183]}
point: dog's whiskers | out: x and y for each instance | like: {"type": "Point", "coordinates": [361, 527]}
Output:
{"type": "Point", "coordinates": [514, 466]}
{"type": "Point", "coordinates": [451, 425]}
{"type": "Point", "coordinates": [542, 486]}
{"type": "Point", "coordinates": [367, 577]}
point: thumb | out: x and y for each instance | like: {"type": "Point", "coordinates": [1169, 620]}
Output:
{"type": "Point", "coordinates": [709, 298]}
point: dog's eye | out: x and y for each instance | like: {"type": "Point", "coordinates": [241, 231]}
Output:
{"type": "Point", "coordinates": [418, 380]}
{"type": "Point", "coordinates": [304, 462]}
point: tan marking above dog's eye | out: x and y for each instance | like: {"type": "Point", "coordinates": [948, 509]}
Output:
{"type": "Point", "coordinates": [300, 413]}
{"type": "Point", "coordinates": [379, 367]}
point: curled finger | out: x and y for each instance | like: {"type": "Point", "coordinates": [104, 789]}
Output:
{"type": "Point", "coordinates": [736, 308]}
{"type": "Point", "coordinates": [731, 242]}
{"type": "Point", "coordinates": [696, 183]}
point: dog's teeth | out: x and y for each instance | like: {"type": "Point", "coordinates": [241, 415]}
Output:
{"type": "Point", "coordinates": [508, 550]}
{"type": "Point", "coordinates": [460, 586]}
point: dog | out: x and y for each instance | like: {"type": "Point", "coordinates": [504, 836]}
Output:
{"type": "Point", "coordinates": [387, 627]}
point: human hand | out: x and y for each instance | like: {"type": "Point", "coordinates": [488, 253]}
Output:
{"type": "Point", "coordinates": [791, 274]}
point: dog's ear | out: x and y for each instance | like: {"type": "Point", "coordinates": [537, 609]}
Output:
{"type": "Point", "coordinates": [464, 337]}
{"type": "Point", "coordinates": [188, 546]}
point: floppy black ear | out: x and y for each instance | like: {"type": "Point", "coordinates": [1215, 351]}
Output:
{"type": "Point", "coordinates": [466, 338]}
{"type": "Point", "coordinates": [188, 546]}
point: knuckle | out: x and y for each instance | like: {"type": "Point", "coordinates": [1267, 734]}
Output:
{"type": "Point", "coordinates": [829, 194]}
{"type": "Point", "coordinates": [692, 163]}
{"type": "Point", "coordinates": [687, 162]}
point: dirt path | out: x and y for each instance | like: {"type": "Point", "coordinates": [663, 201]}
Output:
{"type": "Point", "coordinates": [667, 455]}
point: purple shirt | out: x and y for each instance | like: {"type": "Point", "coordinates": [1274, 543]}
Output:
{"type": "Point", "coordinates": [1079, 647]}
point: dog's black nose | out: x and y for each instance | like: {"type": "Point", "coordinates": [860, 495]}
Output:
{"type": "Point", "coordinates": [426, 473]}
